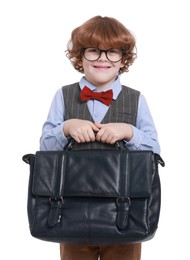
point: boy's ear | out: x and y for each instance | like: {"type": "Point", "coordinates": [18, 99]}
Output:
{"type": "Point", "coordinates": [80, 63]}
{"type": "Point", "coordinates": [123, 63]}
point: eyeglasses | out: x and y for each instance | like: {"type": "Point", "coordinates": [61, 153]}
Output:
{"type": "Point", "coordinates": [93, 54]}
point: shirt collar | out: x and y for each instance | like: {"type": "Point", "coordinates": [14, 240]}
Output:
{"type": "Point", "coordinates": [115, 86]}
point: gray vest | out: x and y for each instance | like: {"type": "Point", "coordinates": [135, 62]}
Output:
{"type": "Point", "coordinates": [122, 110]}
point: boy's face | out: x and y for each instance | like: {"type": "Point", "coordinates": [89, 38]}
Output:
{"type": "Point", "coordinates": [101, 72]}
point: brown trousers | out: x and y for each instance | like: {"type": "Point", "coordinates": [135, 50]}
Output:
{"type": "Point", "coordinates": [105, 252]}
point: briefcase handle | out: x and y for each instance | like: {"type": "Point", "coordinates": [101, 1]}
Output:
{"type": "Point", "coordinates": [118, 145]}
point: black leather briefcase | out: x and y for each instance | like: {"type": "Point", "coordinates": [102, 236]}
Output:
{"type": "Point", "coordinates": [94, 196]}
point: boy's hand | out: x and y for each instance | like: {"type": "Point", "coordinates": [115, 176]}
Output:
{"type": "Point", "coordinates": [80, 130]}
{"type": "Point", "coordinates": [112, 132]}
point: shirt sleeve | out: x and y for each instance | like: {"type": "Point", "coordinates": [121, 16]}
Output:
{"type": "Point", "coordinates": [144, 134]}
{"type": "Point", "coordinates": [53, 137]}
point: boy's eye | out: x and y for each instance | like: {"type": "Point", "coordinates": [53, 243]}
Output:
{"type": "Point", "coordinates": [114, 51]}
{"type": "Point", "coordinates": [93, 50]}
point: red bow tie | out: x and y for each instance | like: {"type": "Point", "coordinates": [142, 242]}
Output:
{"type": "Point", "coordinates": [104, 97]}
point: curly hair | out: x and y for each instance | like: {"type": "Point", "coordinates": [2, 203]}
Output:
{"type": "Point", "coordinates": [104, 32]}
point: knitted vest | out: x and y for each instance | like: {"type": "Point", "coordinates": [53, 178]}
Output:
{"type": "Point", "coordinates": [122, 110]}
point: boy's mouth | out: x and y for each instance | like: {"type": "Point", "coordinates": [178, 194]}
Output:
{"type": "Point", "coordinates": [102, 67]}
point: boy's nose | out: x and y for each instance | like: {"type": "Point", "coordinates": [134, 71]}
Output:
{"type": "Point", "coordinates": [103, 56]}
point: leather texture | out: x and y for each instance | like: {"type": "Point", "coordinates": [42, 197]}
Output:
{"type": "Point", "coordinates": [94, 196]}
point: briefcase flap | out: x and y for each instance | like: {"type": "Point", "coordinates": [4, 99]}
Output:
{"type": "Point", "coordinates": [98, 173]}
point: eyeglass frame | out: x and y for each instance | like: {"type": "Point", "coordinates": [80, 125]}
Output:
{"type": "Point", "coordinates": [105, 51]}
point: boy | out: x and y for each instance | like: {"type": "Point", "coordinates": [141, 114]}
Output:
{"type": "Point", "coordinates": [98, 111]}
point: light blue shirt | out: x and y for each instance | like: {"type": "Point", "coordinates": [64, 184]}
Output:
{"type": "Point", "coordinates": [144, 133]}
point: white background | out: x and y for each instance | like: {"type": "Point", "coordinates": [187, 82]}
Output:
{"type": "Point", "coordinates": [33, 38]}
